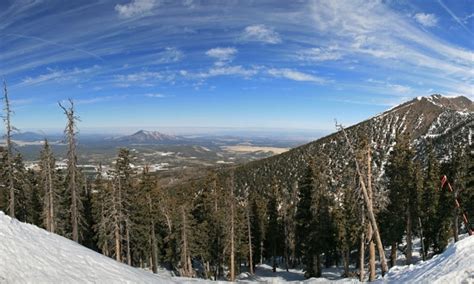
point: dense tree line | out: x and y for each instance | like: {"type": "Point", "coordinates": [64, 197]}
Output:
{"type": "Point", "coordinates": [230, 221]}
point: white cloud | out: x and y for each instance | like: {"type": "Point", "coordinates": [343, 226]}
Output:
{"type": "Point", "coordinates": [158, 96]}
{"type": "Point", "coordinates": [261, 33]}
{"type": "Point", "coordinates": [318, 54]}
{"type": "Point", "coordinates": [295, 75]}
{"type": "Point", "coordinates": [427, 20]}
{"type": "Point", "coordinates": [222, 54]}
{"type": "Point", "coordinates": [135, 8]}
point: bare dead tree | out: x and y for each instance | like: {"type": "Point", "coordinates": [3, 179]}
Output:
{"type": "Point", "coordinates": [370, 229]}
{"type": "Point", "coordinates": [72, 170]}
{"type": "Point", "coordinates": [46, 170]}
{"type": "Point", "coordinates": [368, 203]}
{"type": "Point", "coordinates": [232, 228]}
{"type": "Point", "coordinates": [249, 232]}
{"type": "Point", "coordinates": [9, 150]}
{"type": "Point", "coordinates": [362, 247]}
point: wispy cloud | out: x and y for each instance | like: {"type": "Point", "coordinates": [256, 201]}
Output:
{"type": "Point", "coordinates": [136, 8]}
{"type": "Point", "coordinates": [369, 37]}
{"type": "Point", "coordinates": [170, 55]}
{"type": "Point", "coordinates": [99, 99]}
{"type": "Point", "coordinates": [318, 54]}
{"type": "Point", "coordinates": [261, 33]}
{"type": "Point", "coordinates": [427, 20]}
{"type": "Point", "coordinates": [295, 75]}
{"type": "Point", "coordinates": [223, 55]}
{"type": "Point", "coordinates": [144, 76]}
{"type": "Point", "coordinates": [155, 95]}
{"type": "Point", "coordinates": [57, 75]}
{"type": "Point", "coordinates": [216, 71]}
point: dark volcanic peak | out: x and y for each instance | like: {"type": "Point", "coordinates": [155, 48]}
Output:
{"type": "Point", "coordinates": [144, 136]}
{"type": "Point", "coordinates": [437, 102]}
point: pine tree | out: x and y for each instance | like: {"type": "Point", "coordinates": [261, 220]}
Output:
{"type": "Point", "coordinates": [304, 220]}
{"type": "Point", "coordinates": [429, 201]}
{"type": "Point", "coordinates": [273, 225]}
{"type": "Point", "coordinates": [403, 195]}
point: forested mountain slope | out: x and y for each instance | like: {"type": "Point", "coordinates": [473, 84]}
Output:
{"type": "Point", "coordinates": [435, 120]}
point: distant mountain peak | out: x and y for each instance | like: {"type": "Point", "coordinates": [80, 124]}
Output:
{"type": "Point", "coordinates": [146, 136]}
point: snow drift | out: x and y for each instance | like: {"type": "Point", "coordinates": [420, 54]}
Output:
{"type": "Point", "coordinates": [455, 265]}
{"type": "Point", "coordinates": [29, 254]}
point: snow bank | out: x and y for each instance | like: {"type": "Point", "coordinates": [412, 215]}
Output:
{"type": "Point", "coordinates": [455, 265]}
{"type": "Point", "coordinates": [29, 254]}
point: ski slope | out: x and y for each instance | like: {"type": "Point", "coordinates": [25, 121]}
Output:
{"type": "Point", "coordinates": [29, 254]}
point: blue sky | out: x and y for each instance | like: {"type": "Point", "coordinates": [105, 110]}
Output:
{"type": "Point", "coordinates": [244, 64]}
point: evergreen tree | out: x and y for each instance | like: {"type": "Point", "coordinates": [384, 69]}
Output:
{"type": "Point", "coordinates": [304, 220]}
{"type": "Point", "coordinates": [399, 216]}
{"type": "Point", "coordinates": [429, 201]}
{"type": "Point", "coordinates": [273, 226]}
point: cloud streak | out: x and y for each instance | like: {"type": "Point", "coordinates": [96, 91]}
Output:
{"type": "Point", "coordinates": [261, 33]}
{"type": "Point", "coordinates": [136, 8]}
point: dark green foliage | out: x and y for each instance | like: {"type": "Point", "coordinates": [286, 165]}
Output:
{"type": "Point", "coordinates": [315, 230]}
{"type": "Point", "coordinates": [403, 192]}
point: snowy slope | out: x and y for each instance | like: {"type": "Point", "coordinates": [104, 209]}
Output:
{"type": "Point", "coordinates": [29, 254]}
{"type": "Point", "coordinates": [455, 265]}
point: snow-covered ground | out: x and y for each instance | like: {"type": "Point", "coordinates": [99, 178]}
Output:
{"type": "Point", "coordinates": [454, 265]}
{"type": "Point", "coordinates": [29, 254]}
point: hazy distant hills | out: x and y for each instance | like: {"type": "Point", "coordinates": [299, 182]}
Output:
{"type": "Point", "coordinates": [148, 137]}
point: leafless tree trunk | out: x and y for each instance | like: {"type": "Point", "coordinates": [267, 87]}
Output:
{"type": "Point", "coordinates": [9, 151]}
{"type": "Point", "coordinates": [127, 236]}
{"type": "Point", "coordinates": [423, 251]}
{"type": "Point", "coordinates": [393, 254]}
{"type": "Point", "coordinates": [249, 229]}
{"type": "Point", "coordinates": [47, 167]}
{"type": "Point", "coordinates": [369, 206]}
{"type": "Point", "coordinates": [370, 230]}
{"type": "Point", "coordinates": [362, 248]}
{"type": "Point", "coordinates": [456, 216]}
{"type": "Point", "coordinates": [70, 132]}
{"type": "Point", "coordinates": [186, 264]}
{"type": "Point", "coordinates": [409, 241]}
{"type": "Point", "coordinates": [118, 249]}
{"type": "Point", "coordinates": [154, 253]}
{"type": "Point", "coordinates": [232, 230]}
